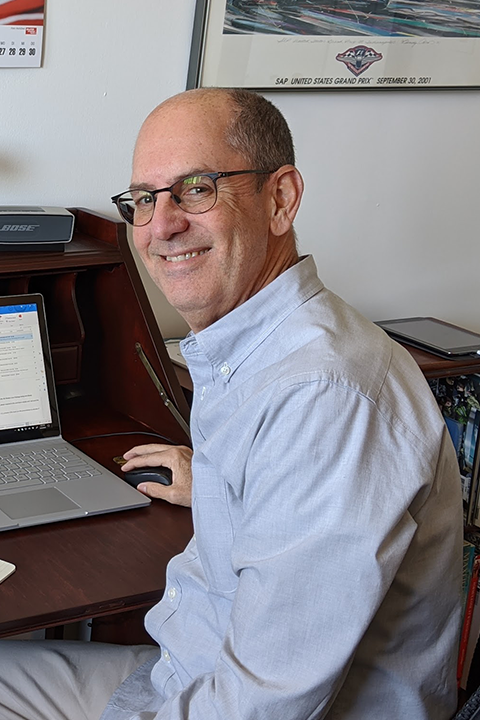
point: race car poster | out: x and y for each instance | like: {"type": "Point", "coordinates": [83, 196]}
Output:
{"type": "Point", "coordinates": [332, 44]}
{"type": "Point", "coordinates": [21, 33]}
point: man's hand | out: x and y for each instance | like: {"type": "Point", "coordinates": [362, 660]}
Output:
{"type": "Point", "coordinates": [176, 457]}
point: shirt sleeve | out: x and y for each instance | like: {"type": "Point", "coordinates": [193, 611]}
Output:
{"type": "Point", "coordinates": [326, 522]}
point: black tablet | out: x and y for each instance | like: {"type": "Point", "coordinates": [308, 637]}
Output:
{"type": "Point", "coordinates": [434, 335]}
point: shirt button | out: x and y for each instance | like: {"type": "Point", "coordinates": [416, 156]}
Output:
{"type": "Point", "coordinates": [172, 593]}
{"type": "Point", "coordinates": [225, 370]}
{"type": "Point", "coordinates": [166, 656]}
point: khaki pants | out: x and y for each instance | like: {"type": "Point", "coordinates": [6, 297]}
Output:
{"type": "Point", "coordinates": [63, 680]}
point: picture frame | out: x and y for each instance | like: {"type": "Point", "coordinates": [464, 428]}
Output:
{"type": "Point", "coordinates": [267, 45]}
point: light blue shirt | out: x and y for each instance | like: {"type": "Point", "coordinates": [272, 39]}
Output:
{"type": "Point", "coordinates": [323, 580]}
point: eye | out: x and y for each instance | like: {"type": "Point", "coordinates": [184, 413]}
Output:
{"type": "Point", "coordinates": [195, 188]}
{"type": "Point", "coordinates": [196, 185]}
{"type": "Point", "coordinates": [141, 198]}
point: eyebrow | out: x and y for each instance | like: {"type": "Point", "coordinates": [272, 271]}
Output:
{"type": "Point", "coordinates": [191, 173]}
{"type": "Point", "coordinates": [140, 186]}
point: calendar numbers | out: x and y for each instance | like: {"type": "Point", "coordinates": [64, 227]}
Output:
{"type": "Point", "coordinates": [20, 46]}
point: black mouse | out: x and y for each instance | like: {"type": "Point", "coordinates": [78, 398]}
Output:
{"type": "Point", "coordinates": [162, 475]}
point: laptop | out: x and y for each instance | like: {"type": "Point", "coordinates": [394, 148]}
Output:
{"type": "Point", "coordinates": [43, 478]}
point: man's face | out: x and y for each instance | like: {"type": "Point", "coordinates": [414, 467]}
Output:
{"type": "Point", "coordinates": [206, 264]}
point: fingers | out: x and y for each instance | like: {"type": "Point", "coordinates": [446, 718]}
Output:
{"type": "Point", "coordinates": [156, 454]}
{"type": "Point", "coordinates": [142, 450]}
{"type": "Point", "coordinates": [176, 493]}
{"type": "Point", "coordinates": [177, 458]}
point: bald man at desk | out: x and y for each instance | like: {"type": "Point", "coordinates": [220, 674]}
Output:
{"type": "Point", "coordinates": [323, 580]}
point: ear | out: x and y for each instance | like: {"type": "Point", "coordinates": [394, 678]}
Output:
{"type": "Point", "coordinates": [286, 193]}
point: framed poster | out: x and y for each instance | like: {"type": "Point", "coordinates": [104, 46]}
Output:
{"type": "Point", "coordinates": [21, 33]}
{"type": "Point", "coordinates": [333, 44]}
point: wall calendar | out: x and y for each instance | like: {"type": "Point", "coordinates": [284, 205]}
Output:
{"type": "Point", "coordinates": [21, 33]}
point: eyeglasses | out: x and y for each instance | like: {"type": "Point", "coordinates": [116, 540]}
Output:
{"type": "Point", "coordinates": [195, 195]}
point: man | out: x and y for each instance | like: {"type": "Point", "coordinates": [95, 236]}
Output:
{"type": "Point", "coordinates": [323, 580]}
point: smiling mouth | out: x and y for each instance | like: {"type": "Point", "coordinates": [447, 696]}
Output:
{"type": "Point", "coordinates": [185, 256]}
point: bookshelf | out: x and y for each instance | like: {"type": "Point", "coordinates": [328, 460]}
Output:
{"type": "Point", "coordinates": [456, 385]}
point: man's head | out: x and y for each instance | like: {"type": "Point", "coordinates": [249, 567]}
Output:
{"type": "Point", "coordinates": [214, 256]}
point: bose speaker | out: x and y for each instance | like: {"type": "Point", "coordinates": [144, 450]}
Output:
{"type": "Point", "coordinates": [35, 228]}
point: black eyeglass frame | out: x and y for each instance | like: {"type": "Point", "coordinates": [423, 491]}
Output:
{"type": "Point", "coordinates": [213, 176]}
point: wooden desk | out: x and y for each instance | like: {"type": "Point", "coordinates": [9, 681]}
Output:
{"type": "Point", "coordinates": [97, 310]}
{"type": "Point", "coordinates": [90, 567]}
{"type": "Point", "coordinates": [434, 366]}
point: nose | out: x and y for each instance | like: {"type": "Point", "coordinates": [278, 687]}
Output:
{"type": "Point", "coordinates": [168, 219]}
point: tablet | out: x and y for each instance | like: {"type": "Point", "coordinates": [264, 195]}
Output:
{"type": "Point", "coordinates": [434, 335]}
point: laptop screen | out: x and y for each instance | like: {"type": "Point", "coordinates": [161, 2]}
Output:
{"type": "Point", "coordinates": [28, 407]}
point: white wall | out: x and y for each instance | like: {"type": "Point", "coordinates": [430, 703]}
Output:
{"type": "Point", "coordinates": [391, 211]}
{"type": "Point", "coordinates": [67, 130]}
{"type": "Point", "coordinates": [392, 205]}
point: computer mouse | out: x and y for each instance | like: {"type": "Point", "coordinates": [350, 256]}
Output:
{"type": "Point", "coordinates": [160, 474]}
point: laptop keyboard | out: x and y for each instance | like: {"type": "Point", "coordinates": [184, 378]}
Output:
{"type": "Point", "coordinates": [41, 467]}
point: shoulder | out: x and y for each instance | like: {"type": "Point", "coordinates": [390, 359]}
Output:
{"type": "Point", "coordinates": [328, 349]}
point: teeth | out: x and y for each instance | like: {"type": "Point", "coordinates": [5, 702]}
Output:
{"type": "Point", "coordinates": [187, 256]}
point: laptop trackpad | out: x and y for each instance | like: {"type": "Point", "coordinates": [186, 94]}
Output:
{"type": "Point", "coordinates": [35, 502]}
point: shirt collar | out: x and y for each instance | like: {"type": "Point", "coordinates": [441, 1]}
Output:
{"type": "Point", "coordinates": [231, 339]}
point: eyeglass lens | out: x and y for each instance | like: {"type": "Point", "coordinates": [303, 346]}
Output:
{"type": "Point", "coordinates": [195, 195]}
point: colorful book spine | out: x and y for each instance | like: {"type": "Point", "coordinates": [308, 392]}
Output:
{"type": "Point", "coordinates": [468, 557]}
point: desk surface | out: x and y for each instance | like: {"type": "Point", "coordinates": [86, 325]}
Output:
{"type": "Point", "coordinates": [434, 366]}
{"type": "Point", "coordinates": [89, 567]}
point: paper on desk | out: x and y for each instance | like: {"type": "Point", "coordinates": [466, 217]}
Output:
{"type": "Point", "coordinates": [173, 349]}
{"type": "Point", "coordinates": [6, 569]}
